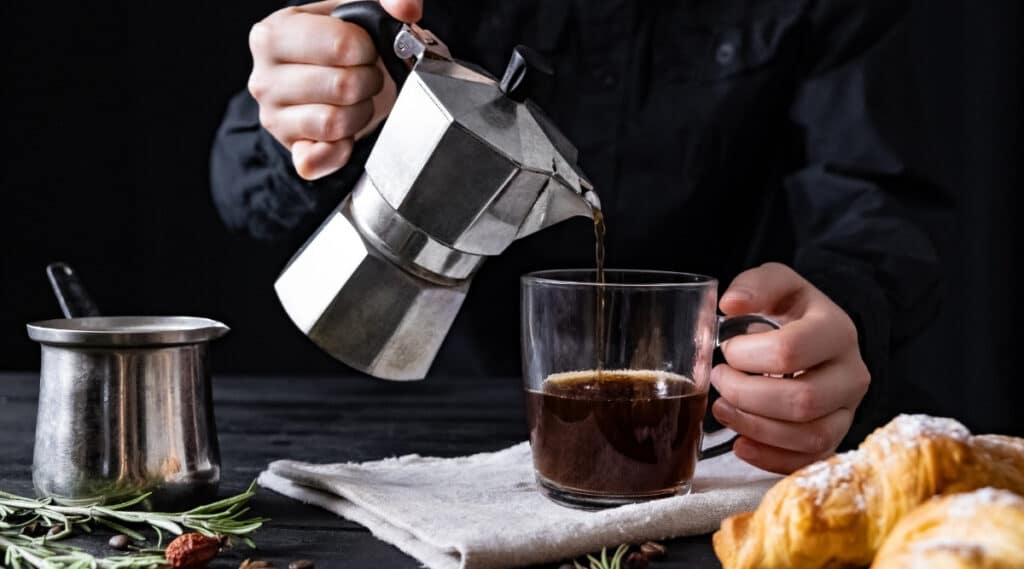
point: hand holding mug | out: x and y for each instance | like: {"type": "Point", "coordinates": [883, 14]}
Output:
{"type": "Point", "coordinates": [785, 424]}
{"type": "Point", "coordinates": [616, 374]}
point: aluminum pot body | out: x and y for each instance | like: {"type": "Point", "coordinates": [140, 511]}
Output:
{"type": "Point", "coordinates": [116, 421]}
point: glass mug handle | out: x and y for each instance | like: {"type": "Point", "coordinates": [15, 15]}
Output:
{"type": "Point", "coordinates": [720, 441]}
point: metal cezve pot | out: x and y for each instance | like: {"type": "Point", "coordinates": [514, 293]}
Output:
{"type": "Point", "coordinates": [124, 404]}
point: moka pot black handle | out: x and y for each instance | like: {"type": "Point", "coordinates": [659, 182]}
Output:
{"type": "Point", "coordinates": [382, 28]}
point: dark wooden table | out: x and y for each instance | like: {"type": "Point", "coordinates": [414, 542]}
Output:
{"type": "Point", "coordinates": [324, 419]}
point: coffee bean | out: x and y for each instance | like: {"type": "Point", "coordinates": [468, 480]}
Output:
{"type": "Point", "coordinates": [301, 564]}
{"type": "Point", "coordinates": [653, 550]}
{"type": "Point", "coordinates": [120, 541]}
{"type": "Point", "coordinates": [636, 560]}
{"type": "Point", "coordinates": [255, 564]}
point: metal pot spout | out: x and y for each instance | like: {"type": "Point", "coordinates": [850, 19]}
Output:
{"type": "Point", "coordinates": [559, 202]}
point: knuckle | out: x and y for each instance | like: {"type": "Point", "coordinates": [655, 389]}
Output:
{"type": "Point", "coordinates": [376, 79]}
{"type": "Point", "coordinates": [849, 335]}
{"type": "Point", "coordinates": [862, 377]}
{"type": "Point", "coordinates": [777, 268]}
{"type": "Point", "coordinates": [259, 36]}
{"type": "Point", "coordinates": [331, 124]}
{"type": "Point", "coordinates": [257, 86]}
{"type": "Point", "coordinates": [820, 441]}
{"type": "Point", "coordinates": [804, 404]}
{"type": "Point", "coordinates": [720, 376]}
{"type": "Point", "coordinates": [267, 118]}
{"type": "Point", "coordinates": [747, 275]}
{"type": "Point", "coordinates": [341, 47]}
{"type": "Point", "coordinates": [341, 86]}
{"type": "Point", "coordinates": [303, 165]}
{"type": "Point", "coordinates": [280, 17]}
{"type": "Point", "coordinates": [749, 424]}
{"type": "Point", "coordinates": [344, 152]}
{"type": "Point", "coordinates": [785, 355]}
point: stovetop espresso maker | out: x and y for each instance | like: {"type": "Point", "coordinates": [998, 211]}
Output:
{"type": "Point", "coordinates": [464, 165]}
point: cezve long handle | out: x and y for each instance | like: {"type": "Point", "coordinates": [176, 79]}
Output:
{"type": "Point", "coordinates": [74, 301]}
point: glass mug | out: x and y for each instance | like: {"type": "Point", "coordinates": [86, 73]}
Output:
{"type": "Point", "coordinates": [629, 429]}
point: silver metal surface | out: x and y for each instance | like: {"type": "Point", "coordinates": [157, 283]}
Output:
{"type": "Point", "coordinates": [127, 416]}
{"type": "Point", "coordinates": [400, 240]}
{"type": "Point", "coordinates": [458, 172]}
{"type": "Point", "coordinates": [408, 45]}
{"type": "Point", "coordinates": [468, 166]}
{"type": "Point", "coordinates": [415, 42]}
{"type": "Point", "coordinates": [362, 308]}
{"type": "Point", "coordinates": [126, 330]}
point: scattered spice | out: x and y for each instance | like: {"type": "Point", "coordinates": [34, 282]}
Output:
{"type": "Point", "coordinates": [301, 564]}
{"type": "Point", "coordinates": [653, 550]}
{"type": "Point", "coordinates": [192, 551]}
{"type": "Point", "coordinates": [637, 560]}
{"type": "Point", "coordinates": [120, 542]}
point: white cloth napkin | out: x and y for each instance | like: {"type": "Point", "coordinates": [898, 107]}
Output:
{"type": "Point", "coordinates": [485, 512]}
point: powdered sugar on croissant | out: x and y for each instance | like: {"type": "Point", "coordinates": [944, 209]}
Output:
{"type": "Point", "coordinates": [983, 529]}
{"type": "Point", "coordinates": [837, 512]}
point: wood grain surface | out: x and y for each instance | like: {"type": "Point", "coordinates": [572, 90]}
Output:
{"type": "Point", "coordinates": [324, 419]}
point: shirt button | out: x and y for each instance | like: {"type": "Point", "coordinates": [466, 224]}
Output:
{"type": "Point", "coordinates": [725, 53]}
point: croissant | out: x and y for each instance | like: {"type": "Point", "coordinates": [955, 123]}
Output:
{"type": "Point", "coordinates": [983, 529]}
{"type": "Point", "coordinates": [837, 512]}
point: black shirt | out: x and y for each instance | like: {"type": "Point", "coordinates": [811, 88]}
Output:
{"type": "Point", "coordinates": [720, 134]}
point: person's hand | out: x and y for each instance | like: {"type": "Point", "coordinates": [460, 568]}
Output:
{"type": "Point", "coordinates": [785, 424]}
{"type": "Point", "coordinates": [319, 82]}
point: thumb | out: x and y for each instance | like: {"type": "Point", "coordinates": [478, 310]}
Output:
{"type": "Point", "coordinates": [408, 11]}
{"type": "Point", "coordinates": [772, 288]}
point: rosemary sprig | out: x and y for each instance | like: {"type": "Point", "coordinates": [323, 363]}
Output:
{"type": "Point", "coordinates": [21, 549]}
{"type": "Point", "coordinates": [604, 562]}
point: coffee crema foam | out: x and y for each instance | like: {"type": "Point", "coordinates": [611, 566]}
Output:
{"type": "Point", "coordinates": [642, 383]}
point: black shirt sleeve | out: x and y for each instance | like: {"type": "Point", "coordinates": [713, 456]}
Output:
{"type": "Point", "coordinates": [851, 204]}
{"type": "Point", "coordinates": [255, 187]}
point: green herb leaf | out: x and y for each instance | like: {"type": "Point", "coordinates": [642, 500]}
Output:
{"type": "Point", "coordinates": [21, 550]}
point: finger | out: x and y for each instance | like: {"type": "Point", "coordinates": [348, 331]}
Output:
{"type": "Point", "coordinates": [814, 437]}
{"type": "Point", "coordinates": [324, 123]}
{"type": "Point", "coordinates": [383, 101]}
{"type": "Point", "coordinates": [813, 395]}
{"type": "Point", "coordinates": [408, 11]}
{"type": "Point", "coordinates": [815, 338]}
{"type": "Point", "coordinates": [772, 288]}
{"type": "Point", "coordinates": [771, 458]}
{"type": "Point", "coordinates": [298, 84]}
{"type": "Point", "coordinates": [315, 160]}
{"type": "Point", "coordinates": [293, 36]}
{"type": "Point", "coordinates": [324, 8]}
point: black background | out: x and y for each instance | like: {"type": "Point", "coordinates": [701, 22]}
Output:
{"type": "Point", "coordinates": [110, 110]}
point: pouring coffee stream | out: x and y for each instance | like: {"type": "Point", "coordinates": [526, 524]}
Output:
{"type": "Point", "coordinates": [600, 338]}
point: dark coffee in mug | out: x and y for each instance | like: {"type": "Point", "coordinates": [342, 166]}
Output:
{"type": "Point", "coordinates": [626, 432]}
